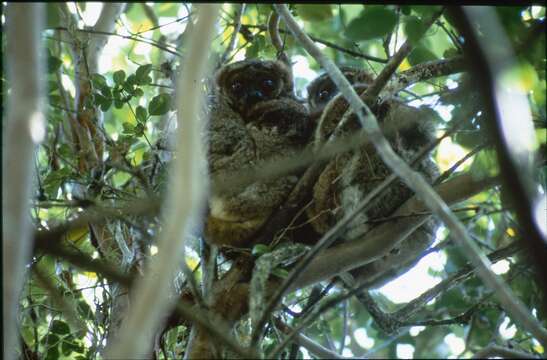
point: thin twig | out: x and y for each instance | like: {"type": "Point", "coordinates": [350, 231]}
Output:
{"type": "Point", "coordinates": [494, 350]}
{"type": "Point", "coordinates": [324, 42]}
{"type": "Point", "coordinates": [152, 43]}
{"type": "Point", "coordinates": [381, 80]}
{"type": "Point", "coordinates": [237, 27]}
{"type": "Point", "coordinates": [302, 340]}
{"type": "Point", "coordinates": [273, 31]}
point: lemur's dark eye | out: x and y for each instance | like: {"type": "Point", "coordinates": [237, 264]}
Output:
{"type": "Point", "coordinates": [324, 95]}
{"type": "Point", "coordinates": [267, 85]}
{"type": "Point", "coordinates": [236, 86]}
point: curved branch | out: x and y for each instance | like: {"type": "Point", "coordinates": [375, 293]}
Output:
{"type": "Point", "coordinates": [381, 239]}
{"type": "Point", "coordinates": [425, 71]}
{"type": "Point", "coordinates": [273, 31]}
{"type": "Point", "coordinates": [105, 24]}
{"type": "Point", "coordinates": [24, 128]}
{"type": "Point", "coordinates": [237, 28]}
{"type": "Point", "coordinates": [188, 197]}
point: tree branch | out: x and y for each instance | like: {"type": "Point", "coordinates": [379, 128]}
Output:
{"type": "Point", "coordinates": [186, 201]}
{"type": "Point", "coordinates": [494, 350]}
{"type": "Point", "coordinates": [24, 127]}
{"type": "Point", "coordinates": [381, 80]}
{"type": "Point", "coordinates": [105, 24]}
{"type": "Point", "coordinates": [316, 349]}
{"type": "Point", "coordinates": [381, 239]}
{"type": "Point", "coordinates": [233, 40]}
{"type": "Point", "coordinates": [425, 71]}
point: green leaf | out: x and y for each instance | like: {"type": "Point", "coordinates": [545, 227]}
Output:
{"type": "Point", "coordinates": [139, 129]}
{"type": "Point", "coordinates": [53, 64]}
{"type": "Point", "coordinates": [56, 100]}
{"type": "Point", "coordinates": [50, 339]}
{"type": "Point", "coordinates": [128, 128]}
{"type": "Point", "coordinates": [420, 54]}
{"type": "Point", "coordinates": [99, 82]}
{"type": "Point", "coordinates": [159, 104]}
{"type": "Point", "coordinates": [99, 99]}
{"type": "Point", "coordinates": [60, 327]}
{"type": "Point", "coordinates": [314, 12]}
{"type": "Point", "coordinates": [141, 114]}
{"type": "Point", "coordinates": [281, 273]}
{"type": "Point", "coordinates": [118, 103]}
{"type": "Point", "coordinates": [142, 74]}
{"type": "Point", "coordinates": [373, 23]}
{"type": "Point", "coordinates": [116, 94]}
{"type": "Point", "coordinates": [84, 310]}
{"type": "Point", "coordinates": [260, 249]}
{"type": "Point", "coordinates": [66, 348]}
{"type": "Point", "coordinates": [414, 29]}
{"type": "Point", "coordinates": [138, 92]}
{"type": "Point", "coordinates": [105, 105]}
{"type": "Point", "coordinates": [259, 42]}
{"type": "Point", "coordinates": [106, 92]}
{"type": "Point", "coordinates": [405, 9]}
{"type": "Point", "coordinates": [129, 83]}
{"type": "Point", "coordinates": [70, 345]}
{"type": "Point", "coordinates": [65, 151]}
{"type": "Point", "coordinates": [52, 353]}
{"type": "Point", "coordinates": [119, 77]}
{"type": "Point", "coordinates": [485, 164]}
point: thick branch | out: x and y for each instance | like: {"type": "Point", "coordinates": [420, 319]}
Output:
{"type": "Point", "coordinates": [105, 23]}
{"type": "Point", "coordinates": [425, 71]}
{"type": "Point", "coordinates": [188, 195]}
{"type": "Point", "coordinates": [23, 128]}
{"type": "Point", "coordinates": [383, 238]}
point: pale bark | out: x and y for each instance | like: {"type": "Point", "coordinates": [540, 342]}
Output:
{"type": "Point", "coordinates": [152, 296]}
{"type": "Point", "coordinates": [24, 128]}
{"type": "Point", "coordinates": [106, 23]}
